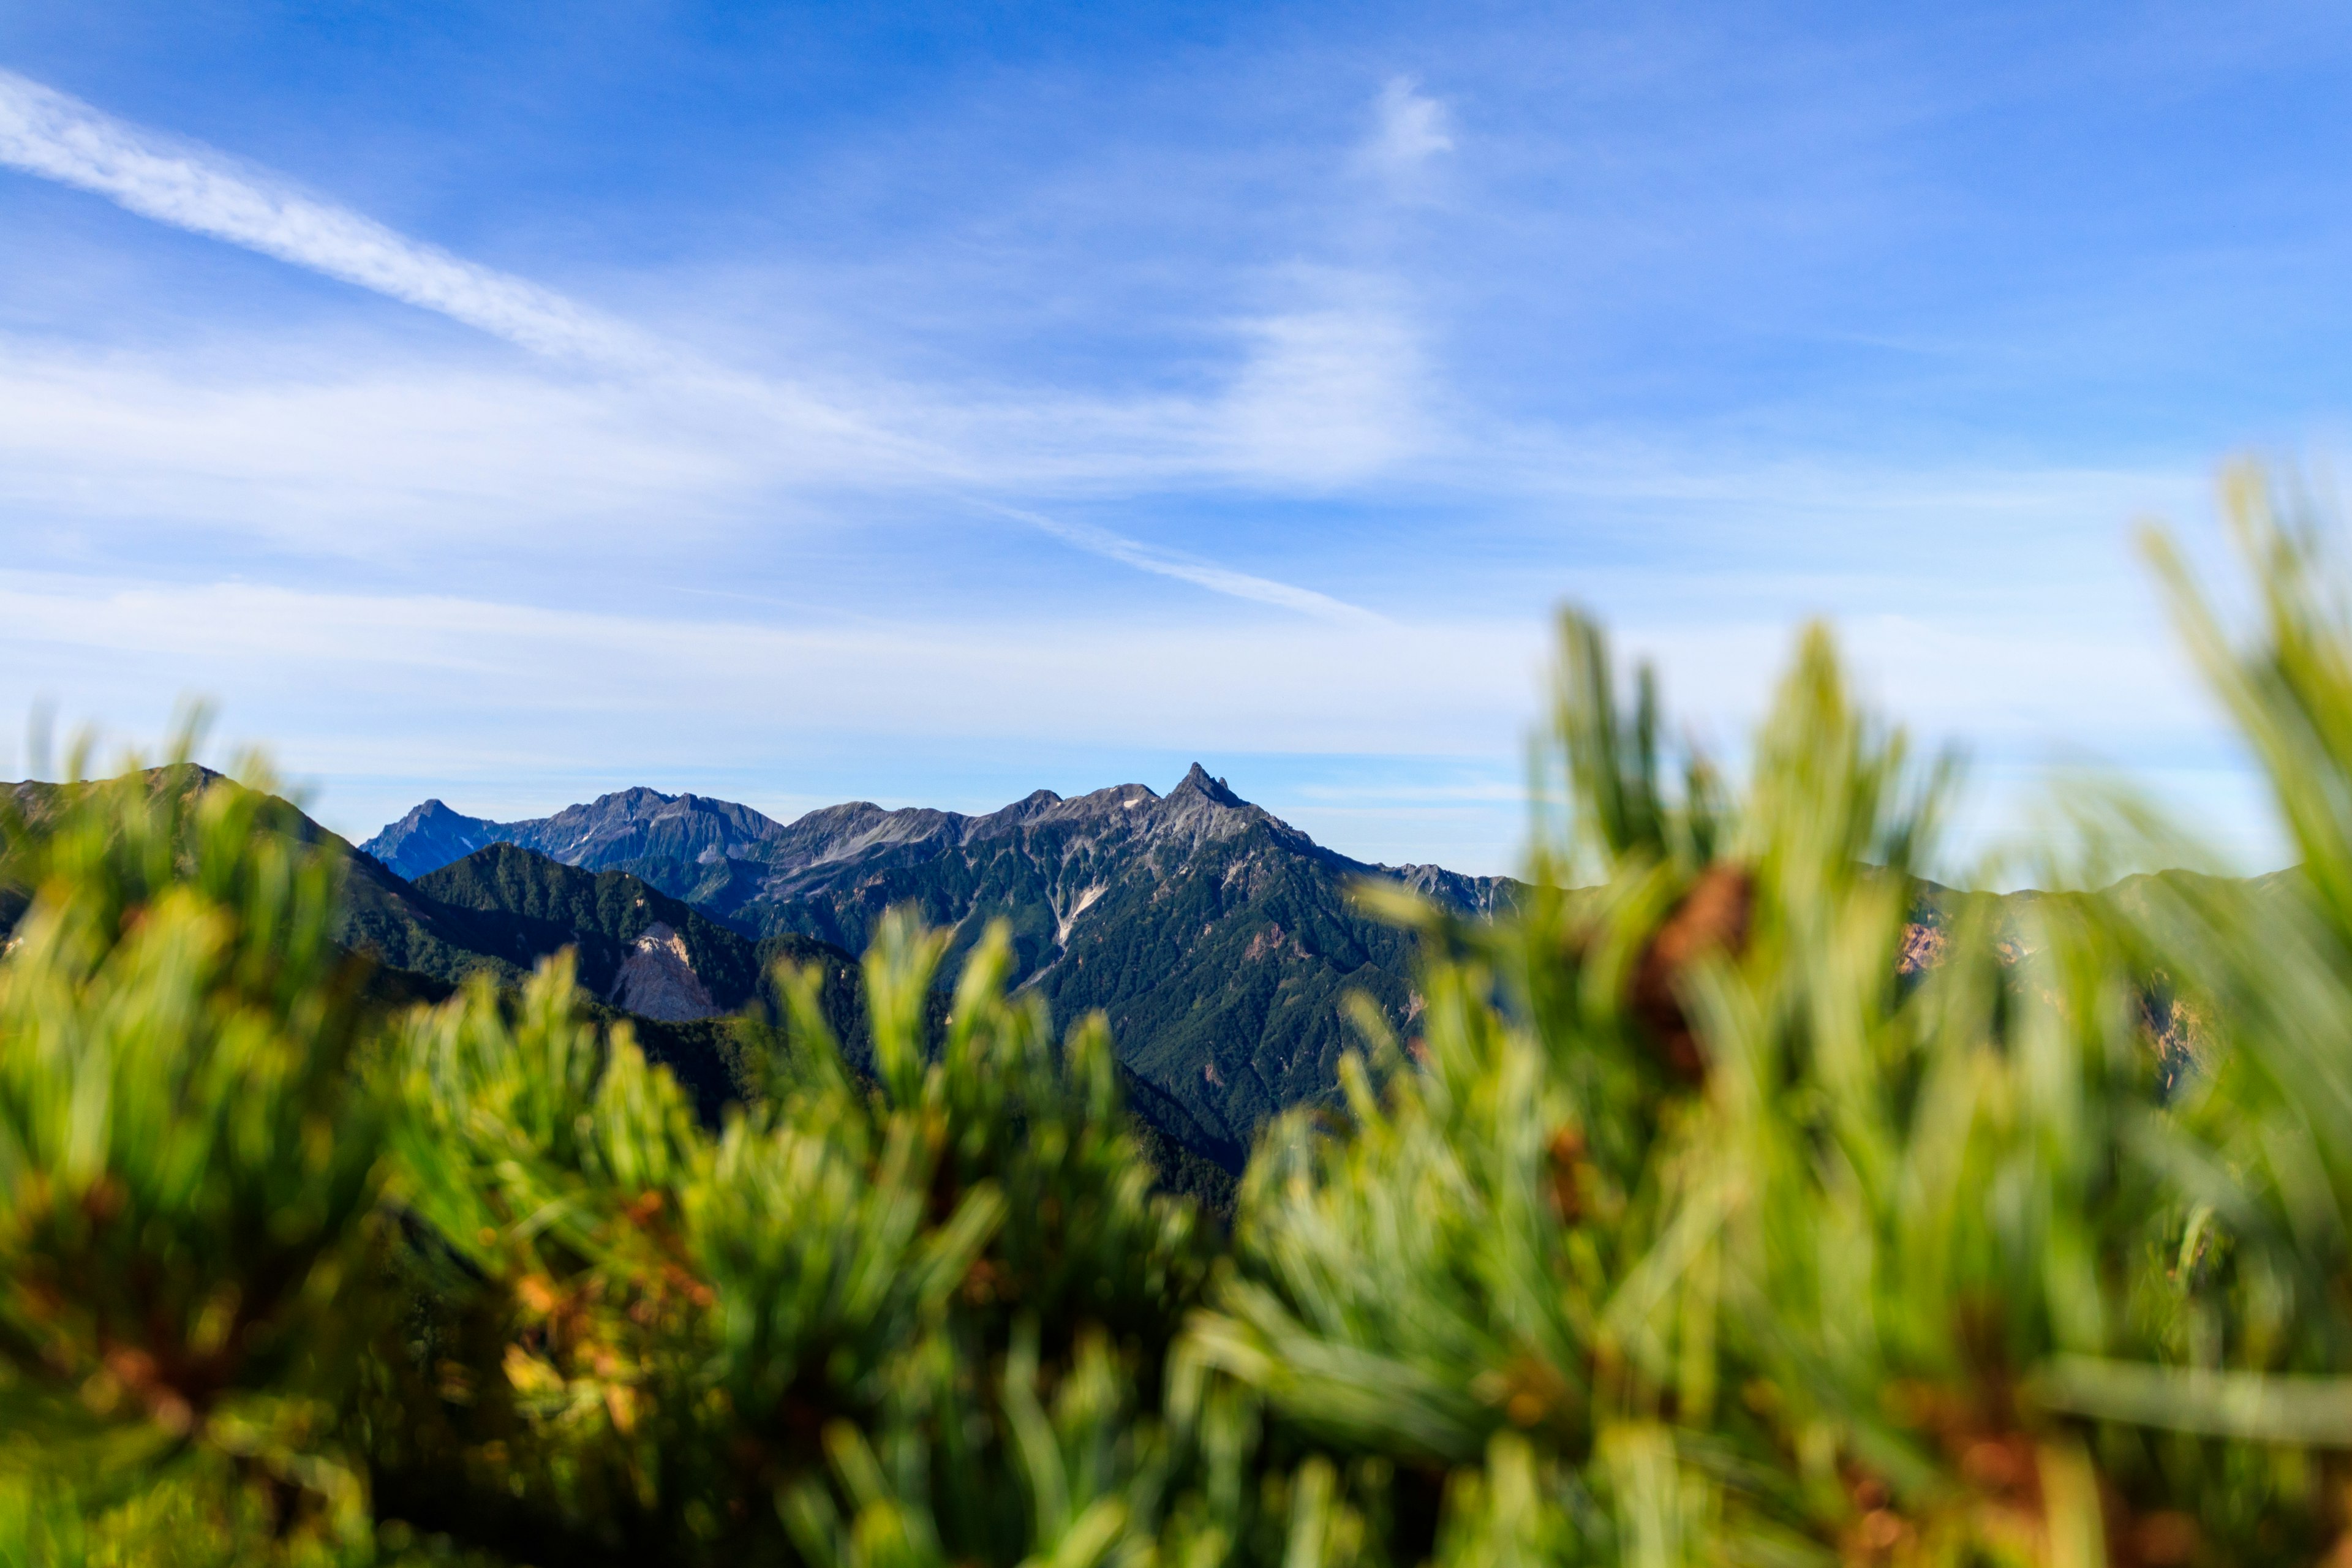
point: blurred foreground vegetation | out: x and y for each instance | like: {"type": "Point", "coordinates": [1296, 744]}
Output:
{"type": "Point", "coordinates": [1699, 1222]}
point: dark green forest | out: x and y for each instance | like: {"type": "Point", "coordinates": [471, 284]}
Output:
{"type": "Point", "coordinates": [1694, 1208]}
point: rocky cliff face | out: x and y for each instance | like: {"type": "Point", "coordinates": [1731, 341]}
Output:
{"type": "Point", "coordinates": [656, 979]}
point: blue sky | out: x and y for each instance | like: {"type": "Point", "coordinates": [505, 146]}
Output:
{"type": "Point", "coordinates": [927, 405]}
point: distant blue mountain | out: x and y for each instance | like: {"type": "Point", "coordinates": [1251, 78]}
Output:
{"type": "Point", "coordinates": [430, 837]}
{"type": "Point", "coordinates": [610, 833]}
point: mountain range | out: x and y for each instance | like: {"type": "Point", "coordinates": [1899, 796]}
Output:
{"type": "Point", "coordinates": [1219, 940]}
{"type": "Point", "coordinates": [676, 976]}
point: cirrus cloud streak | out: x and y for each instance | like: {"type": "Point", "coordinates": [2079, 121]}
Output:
{"type": "Point", "coordinates": [47, 132]}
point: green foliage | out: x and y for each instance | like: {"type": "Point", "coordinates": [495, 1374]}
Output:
{"type": "Point", "coordinates": [1694, 1219]}
{"type": "Point", "coordinates": [1722, 1239]}
{"type": "Point", "coordinates": [187, 1170]}
{"type": "Point", "coordinates": [645, 1342]}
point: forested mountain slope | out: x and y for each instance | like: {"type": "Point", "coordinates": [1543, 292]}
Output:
{"type": "Point", "coordinates": [1219, 940]}
{"type": "Point", "coordinates": [639, 949]}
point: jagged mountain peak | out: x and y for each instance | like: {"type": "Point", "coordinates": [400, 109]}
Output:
{"type": "Point", "coordinates": [1203, 809]}
{"type": "Point", "coordinates": [1198, 782]}
{"type": "Point", "coordinates": [430, 837]}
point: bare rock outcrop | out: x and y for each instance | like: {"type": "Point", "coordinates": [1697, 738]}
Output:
{"type": "Point", "coordinates": [657, 980]}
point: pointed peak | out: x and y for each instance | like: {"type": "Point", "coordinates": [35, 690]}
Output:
{"type": "Point", "coordinates": [1198, 782]}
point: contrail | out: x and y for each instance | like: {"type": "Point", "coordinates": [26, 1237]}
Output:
{"type": "Point", "coordinates": [1132, 552]}
{"type": "Point", "coordinates": [47, 132]}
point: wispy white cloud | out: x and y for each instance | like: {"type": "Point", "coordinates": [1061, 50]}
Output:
{"type": "Point", "coordinates": [1217, 579]}
{"type": "Point", "coordinates": [2019, 685]}
{"type": "Point", "coordinates": [347, 458]}
{"type": "Point", "coordinates": [377, 667]}
{"type": "Point", "coordinates": [330, 450]}
{"type": "Point", "coordinates": [1408, 129]}
{"type": "Point", "coordinates": [1330, 396]}
{"type": "Point", "coordinates": [1317, 402]}
{"type": "Point", "coordinates": [46, 133]}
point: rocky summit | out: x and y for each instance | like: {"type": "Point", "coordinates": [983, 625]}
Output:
{"type": "Point", "coordinates": [1220, 941]}
{"type": "Point", "coordinates": [610, 833]}
{"type": "Point", "coordinates": [430, 837]}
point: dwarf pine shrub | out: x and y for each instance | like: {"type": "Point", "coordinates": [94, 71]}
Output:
{"type": "Point", "coordinates": [1733, 1201]}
